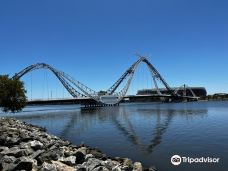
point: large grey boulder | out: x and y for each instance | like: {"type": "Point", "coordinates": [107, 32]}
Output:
{"type": "Point", "coordinates": [92, 163]}
{"type": "Point", "coordinates": [36, 145]}
{"type": "Point", "coordinates": [69, 160]}
{"type": "Point", "coordinates": [137, 166]}
{"type": "Point", "coordinates": [48, 167]}
{"type": "Point", "coordinates": [7, 163]}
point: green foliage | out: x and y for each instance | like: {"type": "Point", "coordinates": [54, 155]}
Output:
{"type": "Point", "coordinates": [12, 94]}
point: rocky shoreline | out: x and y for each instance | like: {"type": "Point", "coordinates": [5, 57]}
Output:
{"type": "Point", "coordinates": [28, 147]}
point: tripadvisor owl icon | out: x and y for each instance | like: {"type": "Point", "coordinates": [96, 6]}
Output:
{"type": "Point", "coordinates": [176, 160]}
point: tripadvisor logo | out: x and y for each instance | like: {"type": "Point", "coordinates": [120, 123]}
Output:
{"type": "Point", "coordinates": [177, 160]}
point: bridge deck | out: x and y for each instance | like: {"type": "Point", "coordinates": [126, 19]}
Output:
{"type": "Point", "coordinates": [90, 101]}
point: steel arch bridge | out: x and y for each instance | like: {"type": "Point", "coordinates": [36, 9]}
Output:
{"type": "Point", "coordinates": [110, 96]}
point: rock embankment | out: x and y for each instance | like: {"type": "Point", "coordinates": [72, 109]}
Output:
{"type": "Point", "coordinates": [27, 147]}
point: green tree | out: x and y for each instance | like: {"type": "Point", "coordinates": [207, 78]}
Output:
{"type": "Point", "coordinates": [12, 94]}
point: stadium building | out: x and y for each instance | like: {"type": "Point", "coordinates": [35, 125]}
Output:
{"type": "Point", "coordinates": [199, 91]}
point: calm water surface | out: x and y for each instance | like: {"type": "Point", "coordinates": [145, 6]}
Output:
{"type": "Point", "coordinates": [146, 132]}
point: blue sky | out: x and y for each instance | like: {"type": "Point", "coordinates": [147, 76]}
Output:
{"type": "Point", "coordinates": [95, 41]}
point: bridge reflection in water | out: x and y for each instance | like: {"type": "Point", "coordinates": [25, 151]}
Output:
{"type": "Point", "coordinates": [140, 126]}
{"type": "Point", "coordinates": [157, 120]}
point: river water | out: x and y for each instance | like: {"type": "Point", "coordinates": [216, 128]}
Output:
{"type": "Point", "coordinates": [147, 132]}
